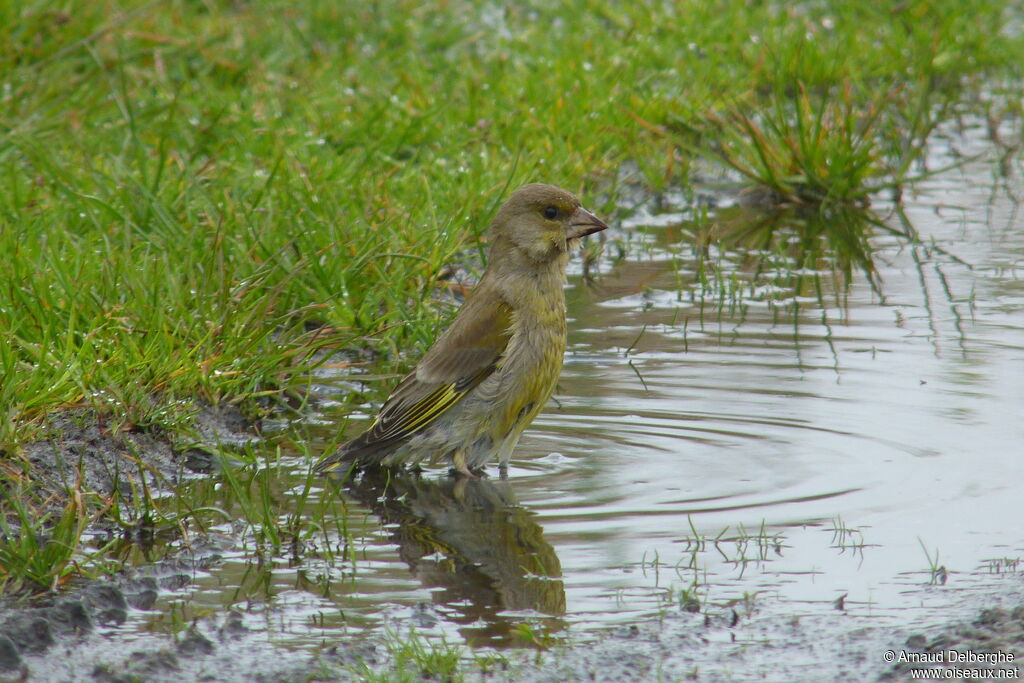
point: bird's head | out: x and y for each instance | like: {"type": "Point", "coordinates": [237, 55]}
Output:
{"type": "Point", "coordinates": [543, 222]}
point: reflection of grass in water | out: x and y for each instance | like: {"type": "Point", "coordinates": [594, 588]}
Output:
{"type": "Point", "coordinates": [785, 256]}
{"type": "Point", "coordinates": [275, 516]}
{"type": "Point", "coordinates": [785, 246]}
{"type": "Point", "coordinates": [737, 546]}
{"type": "Point", "coordinates": [781, 258]}
{"type": "Point", "coordinates": [285, 522]}
{"type": "Point", "coordinates": [797, 264]}
{"type": "Point", "coordinates": [845, 537]}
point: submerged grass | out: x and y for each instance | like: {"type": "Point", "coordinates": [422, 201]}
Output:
{"type": "Point", "coordinates": [201, 202]}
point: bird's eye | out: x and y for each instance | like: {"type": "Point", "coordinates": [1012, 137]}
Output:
{"type": "Point", "coordinates": [550, 212]}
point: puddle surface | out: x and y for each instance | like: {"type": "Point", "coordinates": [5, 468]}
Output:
{"type": "Point", "coordinates": [834, 450]}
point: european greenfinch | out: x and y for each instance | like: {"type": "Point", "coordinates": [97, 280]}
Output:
{"type": "Point", "coordinates": [492, 370]}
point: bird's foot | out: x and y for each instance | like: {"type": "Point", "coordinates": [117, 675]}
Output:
{"type": "Point", "coordinates": [462, 472]}
{"type": "Point", "coordinates": [465, 472]}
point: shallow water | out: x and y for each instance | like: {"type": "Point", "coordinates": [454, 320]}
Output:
{"type": "Point", "coordinates": [833, 449]}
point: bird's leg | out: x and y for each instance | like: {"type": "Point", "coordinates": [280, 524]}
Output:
{"type": "Point", "coordinates": [459, 461]}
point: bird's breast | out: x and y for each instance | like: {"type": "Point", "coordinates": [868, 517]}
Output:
{"type": "Point", "coordinates": [530, 368]}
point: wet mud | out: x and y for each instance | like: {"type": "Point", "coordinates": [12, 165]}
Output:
{"type": "Point", "coordinates": [80, 451]}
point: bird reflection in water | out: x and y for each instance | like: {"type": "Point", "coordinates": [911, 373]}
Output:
{"type": "Point", "coordinates": [469, 538]}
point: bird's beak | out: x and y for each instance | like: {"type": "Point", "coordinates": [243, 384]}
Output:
{"type": "Point", "coordinates": [583, 223]}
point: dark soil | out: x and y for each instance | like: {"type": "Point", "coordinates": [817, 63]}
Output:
{"type": "Point", "coordinates": [78, 452]}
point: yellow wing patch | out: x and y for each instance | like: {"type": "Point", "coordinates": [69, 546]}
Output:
{"type": "Point", "coordinates": [468, 352]}
{"type": "Point", "coordinates": [409, 420]}
{"type": "Point", "coordinates": [419, 414]}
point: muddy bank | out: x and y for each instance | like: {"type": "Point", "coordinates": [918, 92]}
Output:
{"type": "Point", "coordinates": [780, 648]}
{"type": "Point", "coordinates": [992, 641]}
{"type": "Point", "coordinates": [77, 636]}
{"type": "Point", "coordinates": [76, 450]}
{"type": "Point", "coordinates": [56, 631]}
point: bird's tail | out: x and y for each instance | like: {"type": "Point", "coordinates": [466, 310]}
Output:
{"type": "Point", "coordinates": [335, 462]}
{"type": "Point", "coordinates": [357, 454]}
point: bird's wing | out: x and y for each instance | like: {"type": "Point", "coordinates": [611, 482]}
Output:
{"type": "Point", "coordinates": [462, 357]}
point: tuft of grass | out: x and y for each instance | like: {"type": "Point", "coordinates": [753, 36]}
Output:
{"type": "Point", "coordinates": [845, 537]}
{"type": "Point", "coordinates": [843, 99]}
{"type": "Point", "coordinates": [414, 657]}
{"type": "Point", "coordinates": [834, 147]}
{"type": "Point", "coordinates": [40, 551]}
{"type": "Point", "coordinates": [739, 549]}
{"type": "Point", "coordinates": [822, 152]}
{"type": "Point", "coordinates": [937, 573]}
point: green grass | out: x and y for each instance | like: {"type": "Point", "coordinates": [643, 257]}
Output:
{"type": "Point", "coordinates": [846, 110]}
{"type": "Point", "coordinates": [937, 573]}
{"type": "Point", "coordinates": [189, 187]}
{"type": "Point", "coordinates": [413, 657]}
{"type": "Point", "coordinates": [40, 550]}
{"type": "Point", "coordinates": [824, 150]}
{"type": "Point", "coordinates": [202, 199]}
